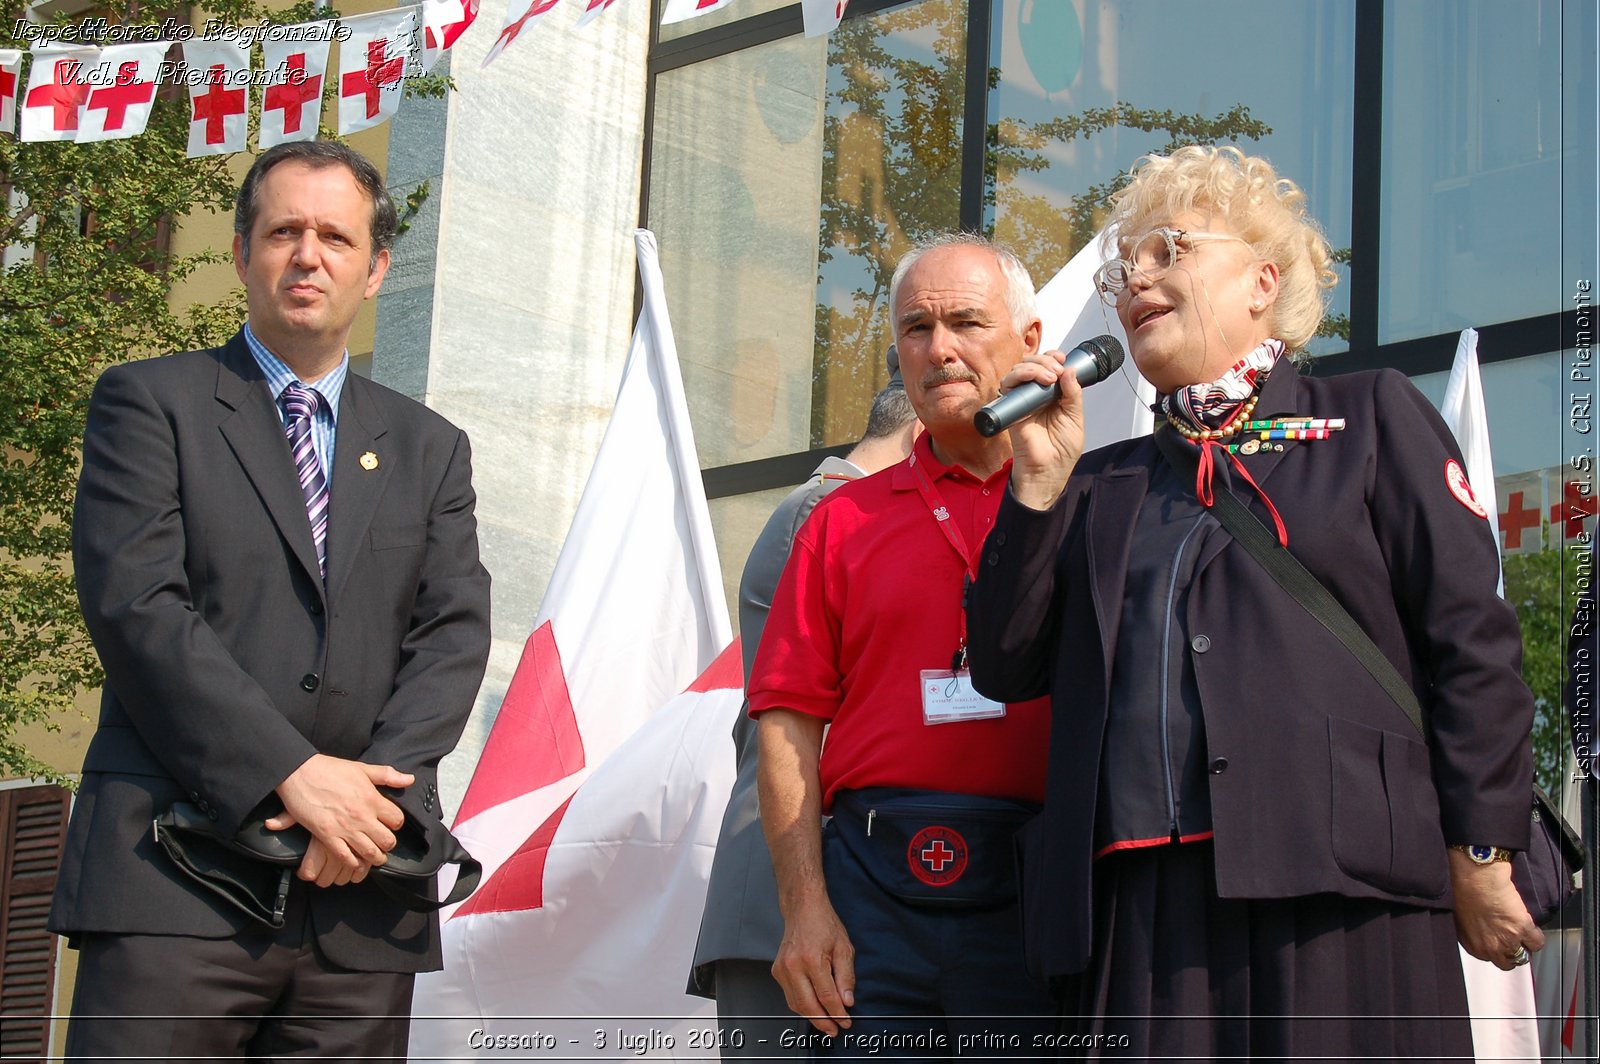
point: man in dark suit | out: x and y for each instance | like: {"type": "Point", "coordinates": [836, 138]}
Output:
{"type": "Point", "coordinates": [278, 564]}
{"type": "Point", "coordinates": [742, 928]}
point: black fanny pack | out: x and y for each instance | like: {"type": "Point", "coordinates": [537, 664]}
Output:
{"type": "Point", "coordinates": [252, 870]}
{"type": "Point", "coordinates": [932, 847]}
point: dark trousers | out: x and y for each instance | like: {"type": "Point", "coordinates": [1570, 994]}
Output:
{"type": "Point", "coordinates": [753, 1019]}
{"type": "Point", "coordinates": [931, 983]}
{"type": "Point", "coordinates": [263, 994]}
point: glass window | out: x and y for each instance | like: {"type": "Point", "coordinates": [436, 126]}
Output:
{"type": "Point", "coordinates": [1524, 399]}
{"type": "Point", "coordinates": [1082, 89]}
{"type": "Point", "coordinates": [891, 173]}
{"type": "Point", "coordinates": [1473, 156]}
{"type": "Point", "coordinates": [735, 165]}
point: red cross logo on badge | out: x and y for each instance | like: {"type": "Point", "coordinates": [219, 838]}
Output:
{"type": "Point", "coordinates": [937, 855]}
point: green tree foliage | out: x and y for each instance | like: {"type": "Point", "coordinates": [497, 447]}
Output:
{"type": "Point", "coordinates": [1536, 588]}
{"type": "Point", "coordinates": [89, 287]}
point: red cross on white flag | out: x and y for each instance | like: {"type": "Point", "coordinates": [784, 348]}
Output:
{"type": "Point", "coordinates": [822, 17]}
{"type": "Point", "coordinates": [443, 23]}
{"type": "Point", "coordinates": [218, 105]}
{"type": "Point", "coordinates": [58, 86]}
{"type": "Point", "coordinates": [372, 67]}
{"type": "Point", "coordinates": [10, 72]}
{"type": "Point", "coordinates": [592, 10]}
{"type": "Point", "coordinates": [516, 23]}
{"type": "Point", "coordinates": [291, 98]}
{"type": "Point", "coordinates": [683, 10]}
{"type": "Point", "coordinates": [122, 89]}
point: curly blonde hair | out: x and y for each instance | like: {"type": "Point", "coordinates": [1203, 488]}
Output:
{"type": "Point", "coordinates": [1247, 194]}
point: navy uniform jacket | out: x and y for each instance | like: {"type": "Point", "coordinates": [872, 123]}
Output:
{"type": "Point", "coordinates": [1318, 781]}
{"type": "Point", "coordinates": [228, 662]}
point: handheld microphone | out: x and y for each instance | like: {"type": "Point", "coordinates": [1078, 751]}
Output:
{"type": "Point", "coordinates": [1090, 362]}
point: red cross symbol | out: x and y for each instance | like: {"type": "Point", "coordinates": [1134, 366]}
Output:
{"type": "Point", "coordinates": [8, 84]}
{"type": "Point", "coordinates": [380, 71]}
{"type": "Point", "coordinates": [535, 9]}
{"type": "Point", "coordinates": [294, 93]}
{"type": "Point", "coordinates": [127, 91]}
{"type": "Point", "coordinates": [452, 31]}
{"type": "Point", "coordinates": [217, 104]}
{"type": "Point", "coordinates": [937, 855]}
{"type": "Point", "coordinates": [1516, 518]}
{"type": "Point", "coordinates": [1574, 507]}
{"type": "Point", "coordinates": [66, 94]}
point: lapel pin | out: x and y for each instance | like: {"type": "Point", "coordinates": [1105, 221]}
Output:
{"type": "Point", "coordinates": [369, 461]}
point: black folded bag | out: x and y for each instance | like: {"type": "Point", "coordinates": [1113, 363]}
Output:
{"type": "Point", "coordinates": [252, 869]}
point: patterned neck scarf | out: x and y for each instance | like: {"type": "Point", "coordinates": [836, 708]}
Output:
{"type": "Point", "coordinates": [1213, 405]}
{"type": "Point", "coordinates": [1203, 412]}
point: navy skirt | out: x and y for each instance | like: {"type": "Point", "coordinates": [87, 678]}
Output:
{"type": "Point", "coordinates": [1179, 973]}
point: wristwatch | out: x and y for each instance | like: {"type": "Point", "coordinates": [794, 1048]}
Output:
{"type": "Point", "coordinates": [1483, 854]}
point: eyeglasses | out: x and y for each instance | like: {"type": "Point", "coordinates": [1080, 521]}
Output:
{"type": "Point", "coordinates": [1153, 255]}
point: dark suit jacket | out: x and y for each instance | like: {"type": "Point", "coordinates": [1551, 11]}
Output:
{"type": "Point", "coordinates": [741, 919]}
{"type": "Point", "coordinates": [1318, 781]}
{"type": "Point", "coordinates": [227, 662]}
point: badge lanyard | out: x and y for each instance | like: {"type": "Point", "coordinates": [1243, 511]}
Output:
{"type": "Point", "coordinates": [958, 542]}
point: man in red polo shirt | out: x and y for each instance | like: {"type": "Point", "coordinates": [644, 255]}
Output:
{"type": "Point", "coordinates": [903, 907]}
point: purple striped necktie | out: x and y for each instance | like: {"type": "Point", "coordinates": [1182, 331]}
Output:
{"type": "Point", "coordinates": [301, 405]}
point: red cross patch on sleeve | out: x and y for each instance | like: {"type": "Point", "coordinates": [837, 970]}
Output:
{"type": "Point", "coordinates": [1456, 480]}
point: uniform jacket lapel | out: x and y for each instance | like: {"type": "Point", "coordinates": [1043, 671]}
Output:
{"type": "Point", "coordinates": [356, 489]}
{"type": "Point", "coordinates": [254, 432]}
{"type": "Point", "coordinates": [1114, 500]}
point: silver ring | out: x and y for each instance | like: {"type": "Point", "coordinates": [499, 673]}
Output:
{"type": "Point", "coordinates": [1521, 957]}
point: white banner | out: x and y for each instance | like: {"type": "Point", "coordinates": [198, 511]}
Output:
{"type": "Point", "coordinates": [218, 75]}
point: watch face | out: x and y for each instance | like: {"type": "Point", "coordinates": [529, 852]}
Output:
{"type": "Point", "coordinates": [1481, 854]}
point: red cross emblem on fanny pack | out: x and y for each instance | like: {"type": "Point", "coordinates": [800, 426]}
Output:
{"type": "Point", "coordinates": [937, 855]}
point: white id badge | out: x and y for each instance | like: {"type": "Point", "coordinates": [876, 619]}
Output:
{"type": "Point", "coordinates": [948, 696]}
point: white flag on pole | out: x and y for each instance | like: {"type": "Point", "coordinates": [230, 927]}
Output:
{"type": "Point", "coordinates": [1501, 1004]}
{"type": "Point", "coordinates": [596, 803]}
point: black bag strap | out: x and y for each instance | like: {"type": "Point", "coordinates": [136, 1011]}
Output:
{"type": "Point", "coordinates": [1285, 569]}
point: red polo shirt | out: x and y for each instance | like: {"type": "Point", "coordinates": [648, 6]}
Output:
{"type": "Point", "coordinates": [870, 597]}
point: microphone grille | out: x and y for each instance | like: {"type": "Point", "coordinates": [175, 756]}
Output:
{"type": "Point", "coordinates": [1107, 353]}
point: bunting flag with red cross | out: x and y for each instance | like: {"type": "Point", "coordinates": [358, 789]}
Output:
{"type": "Point", "coordinates": [443, 23]}
{"type": "Point", "coordinates": [218, 105]}
{"type": "Point", "coordinates": [58, 86]}
{"type": "Point", "coordinates": [122, 90]}
{"type": "Point", "coordinates": [683, 10]}
{"type": "Point", "coordinates": [516, 23]}
{"type": "Point", "coordinates": [592, 10]}
{"type": "Point", "coordinates": [291, 96]}
{"type": "Point", "coordinates": [822, 17]}
{"type": "Point", "coordinates": [10, 74]}
{"type": "Point", "coordinates": [372, 67]}
{"type": "Point", "coordinates": [1572, 505]}
{"type": "Point", "coordinates": [1521, 498]}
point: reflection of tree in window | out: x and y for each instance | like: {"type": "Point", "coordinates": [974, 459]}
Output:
{"type": "Point", "coordinates": [891, 172]}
